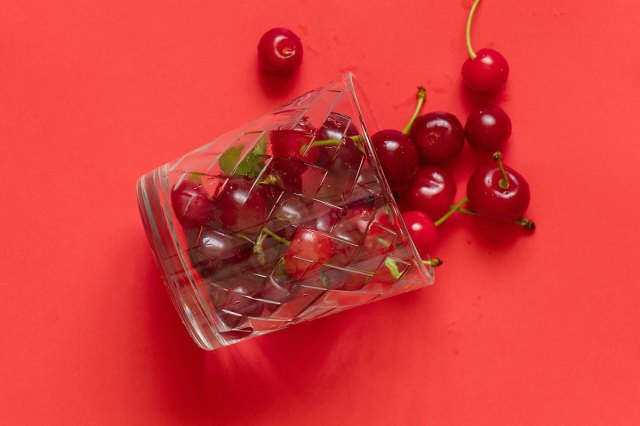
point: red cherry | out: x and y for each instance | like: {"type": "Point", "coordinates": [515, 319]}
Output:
{"type": "Point", "coordinates": [204, 265]}
{"type": "Point", "coordinates": [336, 127]}
{"type": "Point", "coordinates": [215, 245]}
{"type": "Point", "coordinates": [190, 203]}
{"type": "Point", "coordinates": [422, 231]}
{"type": "Point", "coordinates": [308, 249]}
{"type": "Point", "coordinates": [275, 290]}
{"type": "Point", "coordinates": [498, 193]}
{"type": "Point", "coordinates": [438, 136]}
{"type": "Point", "coordinates": [486, 73]}
{"type": "Point", "coordinates": [397, 154]}
{"type": "Point", "coordinates": [241, 206]}
{"type": "Point", "coordinates": [487, 128]}
{"type": "Point", "coordinates": [431, 191]}
{"type": "Point", "coordinates": [280, 51]}
{"type": "Point", "coordinates": [293, 144]}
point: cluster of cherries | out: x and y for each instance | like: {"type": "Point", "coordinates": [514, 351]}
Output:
{"type": "Point", "coordinates": [254, 221]}
{"type": "Point", "coordinates": [413, 159]}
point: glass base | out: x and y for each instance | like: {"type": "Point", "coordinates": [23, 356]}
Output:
{"type": "Point", "coordinates": [176, 276]}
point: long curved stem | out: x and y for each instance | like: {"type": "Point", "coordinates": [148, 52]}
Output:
{"type": "Point", "coordinates": [422, 96]}
{"type": "Point", "coordinates": [451, 211]}
{"type": "Point", "coordinates": [472, 54]}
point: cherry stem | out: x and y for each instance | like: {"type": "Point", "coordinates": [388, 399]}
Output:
{"type": "Point", "coordinates": [384, 243]}
{"type": "Point", "coordinates": [526, 223]}
{"type": "Point", "coordinates": [451, 211]}
{"type": "Point", "coordinates": [504, 182]}
{"type": "Point", "coordinates": [328, 142]}
{"type": "Point", "coordinates": [472, 54]}
{"type": "Point", "coordinates": [269, 180]}
{"type": "Point", "coordinates": [393, 268]}
{"type": "Point", "coordinates": [422, 96]}
{"type": "Point", "coordinates": [469, 212]}
{"type": "Point", "coordinates": [276, 237]}
{"type": "Point", "coordinates": [434, 262]}
{"type": "Point", "coordinates": [195, 177]}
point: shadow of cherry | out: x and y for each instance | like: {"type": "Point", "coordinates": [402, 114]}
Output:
{"type": "Point", "coordinates": [277, 87]}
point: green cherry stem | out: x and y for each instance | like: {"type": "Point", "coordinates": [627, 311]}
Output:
{"type": "Point", "coordinates": [451, 211]}
{"type": "Point", "coordinates": [504, 182]}
{"type": "Point", "coordinates": [434, 262]}
{"type": "Point", "coordinates": [422, 96]}
{"type": "Point", "coordinates": [269, 180]}
{"type": "Point", "coordinates": [469, 212]}
{"type": "Point", "coordinates": [328, 142]}
{"type": "Point", "coordinates": [527, 224]}
{"type": "Point", "coordinates": [393, 267]}
{"type": "Point", "coordinates": [276, 237]}
{"type": "Point", "coordinates": [472, 54]}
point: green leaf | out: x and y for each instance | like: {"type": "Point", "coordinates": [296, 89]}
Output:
{"type": "Point", "coordinates": [229, 159]}
{"type": "Point", "coordinates": [251, 164]}
{"type": "Point", "coordinates": [261, 147]}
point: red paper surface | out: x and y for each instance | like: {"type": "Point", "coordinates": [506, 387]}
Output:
{"type": "Point", "coordinates": [527, 330]}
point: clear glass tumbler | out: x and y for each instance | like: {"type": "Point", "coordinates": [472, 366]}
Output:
{"type": "Point", "coordinates": [286, 219]}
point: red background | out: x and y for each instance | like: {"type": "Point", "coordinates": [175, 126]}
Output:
{"type": "Point", "coordinates": [518, 329]}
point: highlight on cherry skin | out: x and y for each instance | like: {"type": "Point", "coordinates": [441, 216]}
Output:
{"type": "Point", "coordinates": [422, 231]}
{"type": "Point", "coordinates": [431, 191]}
{"type": "Point", "coordinates": [190, 202]}
{"type": "Point", "coordinates": [499, 193]}
{"type": "Point", "coordinates": [280, 51]}
{"type": "Point", "coordinates": [486, 71]}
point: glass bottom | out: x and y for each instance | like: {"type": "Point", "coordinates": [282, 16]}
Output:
{"type": "Point", "coordinates": [180, 283]}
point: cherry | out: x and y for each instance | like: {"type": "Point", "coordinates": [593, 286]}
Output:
{"type": "Point", "coordinates": [438, 136]}
{"type": "Point", "coordinates": [266, 253]}
{"type": "Point", "coordinates": [335, 127]}
{"type": "Point", "coordinates": [308, 249]}
{"type": "Point", "coordinates": [396, 151]}
{"type": "Point", "coordinates": [499, 193]}
{"type": "Point", "coordinates": [340, 279]}
{"type": "Point", "coordinates": [294, 144]}
{"type": "Point", "coordinates": [397, 154]}
{"type": "Point", "coordinates": [487, 128]}
{"type": "Point", "coordinates": [215, 245]}
{"type": "Point", "coordinates": [422, 230]}
{"type": "Point", "coordinates": [238, 303]}
{"type": "Point", "coordinates": [279, 51]}
{"type": "Point", "coordinates": [241, 205]}
{"type": "Point", "coordinates": [190, 203]}
{"type": "Point", "coordinates": [284, 174]}
{"type": "Point", "coordinates": [275, 290]}
{"type": "Point", "coordinates": [353, 227]}
{"type": "Point", "coordinates": [486, 71]}
{"type": "Point", "coordinates": [326, 220]}
{"type": "Point", "coordinates": [204, 265]}
{"type": "Point", "coordinates": [294, 211]}
{"type": "Point", "coordinates": [431, 191]}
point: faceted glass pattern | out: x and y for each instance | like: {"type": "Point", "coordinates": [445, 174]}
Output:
{"type": "Point", "coordinates": [340, 194]}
